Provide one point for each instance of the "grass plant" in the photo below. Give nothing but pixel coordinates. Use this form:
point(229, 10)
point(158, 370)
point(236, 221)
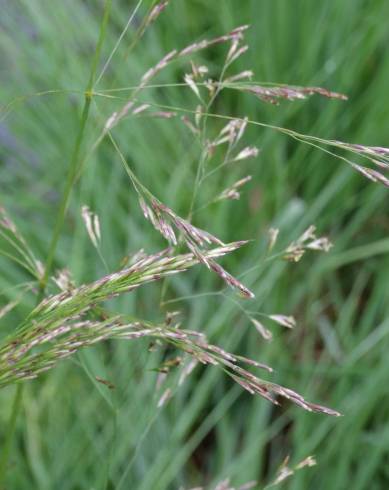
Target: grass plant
point(182, 151)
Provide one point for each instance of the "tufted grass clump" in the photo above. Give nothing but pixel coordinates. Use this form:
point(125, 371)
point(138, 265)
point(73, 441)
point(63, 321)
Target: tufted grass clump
point(71, 315)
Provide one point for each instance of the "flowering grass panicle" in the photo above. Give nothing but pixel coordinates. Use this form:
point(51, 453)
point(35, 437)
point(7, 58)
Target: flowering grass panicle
point(80, 316)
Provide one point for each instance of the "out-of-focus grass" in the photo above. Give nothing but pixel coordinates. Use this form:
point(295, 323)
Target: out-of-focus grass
point(75, 433)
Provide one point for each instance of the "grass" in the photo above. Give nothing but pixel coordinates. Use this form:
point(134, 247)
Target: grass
point(74, 432)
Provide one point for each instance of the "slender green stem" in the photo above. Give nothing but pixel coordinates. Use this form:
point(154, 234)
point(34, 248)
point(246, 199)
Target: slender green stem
point(17, 403)
point(66, 195)
point(70, 180)
point(75, 158)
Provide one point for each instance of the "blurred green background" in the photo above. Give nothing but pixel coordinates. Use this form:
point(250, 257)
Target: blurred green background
point(74, 433)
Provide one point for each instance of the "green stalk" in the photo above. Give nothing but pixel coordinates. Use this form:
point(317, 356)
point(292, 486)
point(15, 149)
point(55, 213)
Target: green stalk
point(16, 406)
point(70, 180)
point(75, 158)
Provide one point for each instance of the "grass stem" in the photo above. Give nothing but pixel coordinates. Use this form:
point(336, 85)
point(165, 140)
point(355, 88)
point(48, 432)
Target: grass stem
point(75, 158)
point(16, 406)
point(70, 180)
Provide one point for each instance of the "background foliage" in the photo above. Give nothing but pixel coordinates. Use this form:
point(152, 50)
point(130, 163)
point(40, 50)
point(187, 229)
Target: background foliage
point(76, 433)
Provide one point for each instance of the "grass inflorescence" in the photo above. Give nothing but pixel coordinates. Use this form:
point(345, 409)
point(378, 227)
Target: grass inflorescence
point(185, 207)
